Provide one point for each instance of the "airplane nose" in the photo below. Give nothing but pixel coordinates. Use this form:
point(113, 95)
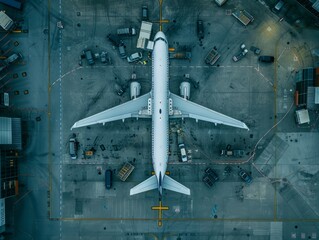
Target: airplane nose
point(159, 35)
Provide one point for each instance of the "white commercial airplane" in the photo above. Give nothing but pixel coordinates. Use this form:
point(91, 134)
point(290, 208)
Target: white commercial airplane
point(160, 105)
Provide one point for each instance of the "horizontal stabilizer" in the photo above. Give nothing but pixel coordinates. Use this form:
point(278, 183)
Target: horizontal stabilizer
point(170, 184)
point(148, 184)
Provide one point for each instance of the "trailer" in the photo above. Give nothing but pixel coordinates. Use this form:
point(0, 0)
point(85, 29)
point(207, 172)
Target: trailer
point(212, 57)
point(125, 171)
point(243, 16)
point(143, 41)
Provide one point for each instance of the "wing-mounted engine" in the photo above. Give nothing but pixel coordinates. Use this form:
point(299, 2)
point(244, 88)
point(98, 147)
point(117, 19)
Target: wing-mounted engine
point(185, 90)
point(135, 89)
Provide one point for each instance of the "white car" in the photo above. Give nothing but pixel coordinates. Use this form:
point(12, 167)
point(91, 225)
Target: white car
point(135, 57)
point(183, 152)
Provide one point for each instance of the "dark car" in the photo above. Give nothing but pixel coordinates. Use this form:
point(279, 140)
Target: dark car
point(115, 40)
point(245, 176)
point(267, 59)
point(108, 179)
point(122, 51)
point(144, 13)
point(212, 174)
point(208, 181)
point(200, 29)
point(89, 57)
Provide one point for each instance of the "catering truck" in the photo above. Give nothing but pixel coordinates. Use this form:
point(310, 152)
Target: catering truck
point(143, 41)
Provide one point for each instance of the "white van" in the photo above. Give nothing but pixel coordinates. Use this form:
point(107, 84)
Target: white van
point(183, 152)
point(73, 148)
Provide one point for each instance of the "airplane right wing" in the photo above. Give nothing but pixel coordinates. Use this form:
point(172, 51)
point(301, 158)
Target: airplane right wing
point(184, 108)
point(140, 107)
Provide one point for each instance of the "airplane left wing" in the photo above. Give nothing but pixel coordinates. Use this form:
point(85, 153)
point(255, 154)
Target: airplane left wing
point(139, 107)
point(184, 108)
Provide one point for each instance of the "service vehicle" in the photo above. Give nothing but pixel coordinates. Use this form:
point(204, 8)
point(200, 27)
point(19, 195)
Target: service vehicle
point(200, 29)
point(6, 22)
point(122, 51)
point(255, 50)
point(135, 57)
point(89, 57)
point(144, 13)
point(115, 40)
point(143, 40)
point(212, 57)
point(245, 176)
point(187, 55)
point(130, 31)
point(108, 179)
point(241, 54)
point(243, 16)
point(4, 99)
point(73, 148)
point(266, 59)
point(13, 58)
point(183, 152)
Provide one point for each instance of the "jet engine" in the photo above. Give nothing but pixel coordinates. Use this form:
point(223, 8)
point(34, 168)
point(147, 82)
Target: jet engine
point(185, 90)
point(135, 89)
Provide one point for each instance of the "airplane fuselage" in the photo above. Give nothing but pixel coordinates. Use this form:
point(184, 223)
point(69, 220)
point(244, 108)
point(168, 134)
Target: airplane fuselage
point(160, 109)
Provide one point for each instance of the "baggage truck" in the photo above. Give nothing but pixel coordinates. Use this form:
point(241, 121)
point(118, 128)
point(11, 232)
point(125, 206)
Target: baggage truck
point(6, 22)
point(126, 31)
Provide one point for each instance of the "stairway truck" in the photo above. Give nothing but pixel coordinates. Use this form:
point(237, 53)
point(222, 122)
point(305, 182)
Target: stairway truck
point(6, 22)
point(212, 57)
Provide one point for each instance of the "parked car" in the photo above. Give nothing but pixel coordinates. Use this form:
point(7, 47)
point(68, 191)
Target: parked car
point(256, 50)
point(89, 57)
point(245, 176)
point(200, 29)
point(144, 13)
point(122, 51)
point(135, 57)
point(266, 59)
point(183, 152)
point(115, 40)
point(211, 173)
